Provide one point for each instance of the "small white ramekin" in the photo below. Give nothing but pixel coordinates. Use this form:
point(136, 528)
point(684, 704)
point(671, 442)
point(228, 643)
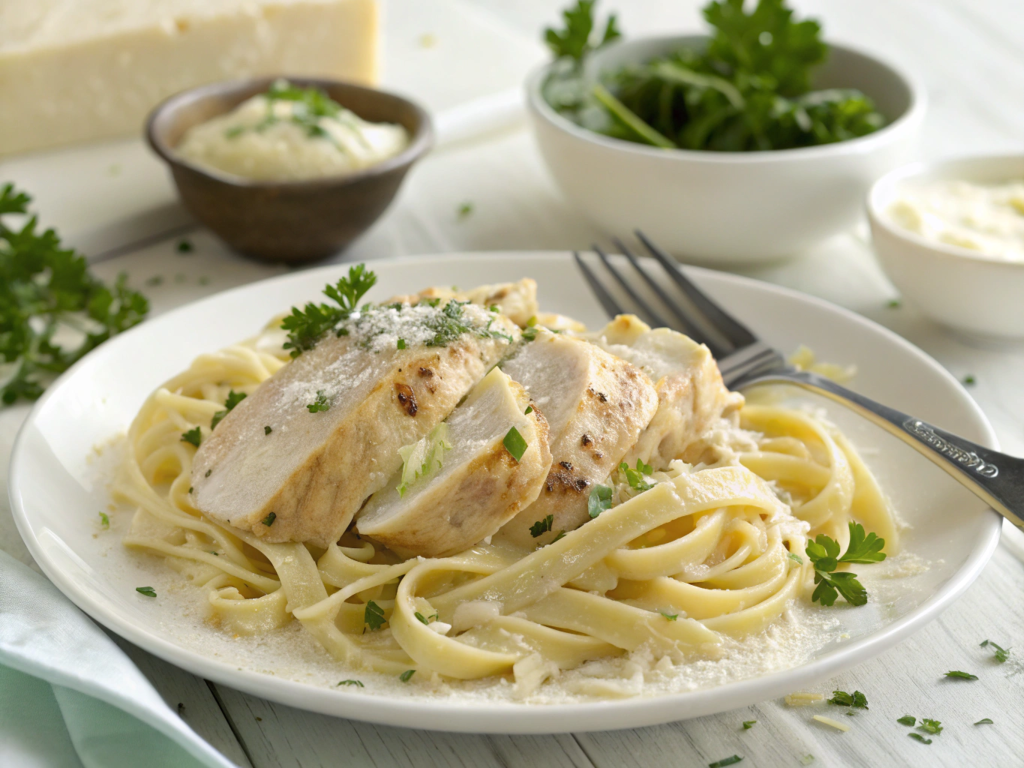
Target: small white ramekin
point(956, 287)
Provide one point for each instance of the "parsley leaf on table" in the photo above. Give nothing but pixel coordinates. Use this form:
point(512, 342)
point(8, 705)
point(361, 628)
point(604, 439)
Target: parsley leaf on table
point(823, 553)
point(844, 699)
point(52, 310)
point(957, 674)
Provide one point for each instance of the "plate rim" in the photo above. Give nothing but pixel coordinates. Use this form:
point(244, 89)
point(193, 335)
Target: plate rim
point(504, 717)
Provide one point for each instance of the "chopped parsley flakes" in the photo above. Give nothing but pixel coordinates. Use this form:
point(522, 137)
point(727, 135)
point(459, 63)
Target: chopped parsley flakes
point(465, 209)
point(267, 430)
point(269, 519)
point(599, 501)
point(192, 437)
point(958, 675)
point(907, 720)
point(320, 404)
point(356, 683)
point(542, 526)
point(515, 444)
point(985, 721)
point(930, 726)
point(844, 699)
point(669, 616)
point(407, 675)
point(1001, 654)
point(919, 737)
point(748, 724)
point(234, 398)
point(147, 591)
point(185, 246)
point(635, 477)
point(373, 616)
point(725, 761)
point(104, 521)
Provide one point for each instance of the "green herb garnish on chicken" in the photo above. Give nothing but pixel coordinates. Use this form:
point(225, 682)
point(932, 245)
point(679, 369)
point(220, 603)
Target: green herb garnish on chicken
point(52, 310)
point(748, 89)
point(307, 325)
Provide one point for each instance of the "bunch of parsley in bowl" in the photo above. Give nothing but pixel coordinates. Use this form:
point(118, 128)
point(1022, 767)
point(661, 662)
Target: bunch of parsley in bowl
point(755, 142)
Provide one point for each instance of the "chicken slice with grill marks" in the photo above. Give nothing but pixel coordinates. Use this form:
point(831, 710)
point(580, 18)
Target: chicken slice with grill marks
point(479, 484)
point(305, 478)
point(596, 406)
point(517, 301)
point(692, 399)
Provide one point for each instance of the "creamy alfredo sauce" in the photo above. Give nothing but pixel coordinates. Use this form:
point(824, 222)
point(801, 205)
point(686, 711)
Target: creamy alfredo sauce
point(988, 219)
point(290, 134)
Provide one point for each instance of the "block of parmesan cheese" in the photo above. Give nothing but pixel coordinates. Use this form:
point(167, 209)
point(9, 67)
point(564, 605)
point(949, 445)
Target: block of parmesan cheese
point(75, 71)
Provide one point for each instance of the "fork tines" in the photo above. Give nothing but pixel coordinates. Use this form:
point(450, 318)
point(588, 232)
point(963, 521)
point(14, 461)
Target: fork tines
point(674, 303)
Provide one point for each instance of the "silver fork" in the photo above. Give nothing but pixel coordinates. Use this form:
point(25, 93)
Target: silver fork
point(746, 361)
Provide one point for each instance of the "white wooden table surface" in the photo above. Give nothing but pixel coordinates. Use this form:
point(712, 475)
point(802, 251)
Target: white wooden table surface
point(971, 55)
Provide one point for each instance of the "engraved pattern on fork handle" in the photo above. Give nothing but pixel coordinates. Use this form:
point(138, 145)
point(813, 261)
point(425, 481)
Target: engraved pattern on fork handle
point(969, 459)
point(995, 477)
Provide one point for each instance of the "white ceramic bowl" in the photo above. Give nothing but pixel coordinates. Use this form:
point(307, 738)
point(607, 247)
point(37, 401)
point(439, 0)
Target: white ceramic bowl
point(729, 207)
point(953, 286)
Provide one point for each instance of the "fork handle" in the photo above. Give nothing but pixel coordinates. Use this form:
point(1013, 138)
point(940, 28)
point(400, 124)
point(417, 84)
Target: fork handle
point(995, 477)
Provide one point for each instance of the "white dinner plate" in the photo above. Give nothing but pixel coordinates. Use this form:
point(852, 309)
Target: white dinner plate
point(55, 491)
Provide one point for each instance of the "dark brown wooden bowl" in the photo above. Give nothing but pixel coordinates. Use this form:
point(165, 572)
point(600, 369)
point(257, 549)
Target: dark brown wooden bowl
point(292, 221)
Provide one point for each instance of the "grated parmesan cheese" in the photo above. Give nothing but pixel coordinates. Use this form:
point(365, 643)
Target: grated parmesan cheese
point(832, 723)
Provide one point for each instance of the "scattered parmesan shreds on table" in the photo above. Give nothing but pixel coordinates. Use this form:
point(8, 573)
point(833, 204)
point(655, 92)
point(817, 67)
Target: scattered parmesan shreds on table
point(832, 723)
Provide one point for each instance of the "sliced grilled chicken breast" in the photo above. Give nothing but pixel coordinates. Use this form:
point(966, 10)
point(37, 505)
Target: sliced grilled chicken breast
point(692, 398)
point(479, 486)
point(296, 459)
point(596, 406)
point(517, 301)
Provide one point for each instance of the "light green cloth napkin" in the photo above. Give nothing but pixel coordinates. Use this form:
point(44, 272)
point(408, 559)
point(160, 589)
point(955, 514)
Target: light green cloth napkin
point(70, 697)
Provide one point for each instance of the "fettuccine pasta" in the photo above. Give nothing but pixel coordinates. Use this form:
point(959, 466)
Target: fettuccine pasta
point(710, 550)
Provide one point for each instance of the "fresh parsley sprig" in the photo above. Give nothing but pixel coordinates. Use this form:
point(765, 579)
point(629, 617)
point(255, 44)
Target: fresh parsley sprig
point(307, 325)
point(748, 89)
point(52, 310)
point(823, 553)
point(574, 40)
